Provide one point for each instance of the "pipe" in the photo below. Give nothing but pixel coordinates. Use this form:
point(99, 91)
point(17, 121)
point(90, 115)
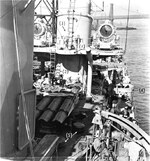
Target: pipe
point(60, 117)
point(64, 110)
point(55, 104)
point(66, 105)
point(42, 67)
point(44, 103)
point(51, 109)
point(89, 76)
point(111, 13)
point(103, 5)
point(47, 115)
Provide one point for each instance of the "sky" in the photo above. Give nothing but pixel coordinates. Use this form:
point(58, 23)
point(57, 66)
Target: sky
point(121, 6)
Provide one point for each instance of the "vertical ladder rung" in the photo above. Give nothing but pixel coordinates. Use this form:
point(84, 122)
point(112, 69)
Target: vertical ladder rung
point(52, 60)
point(71, 22)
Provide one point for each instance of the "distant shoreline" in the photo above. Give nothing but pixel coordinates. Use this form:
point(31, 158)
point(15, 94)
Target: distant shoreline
point(126, 28)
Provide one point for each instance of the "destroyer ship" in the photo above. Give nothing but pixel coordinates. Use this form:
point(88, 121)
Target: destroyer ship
point(66, 95)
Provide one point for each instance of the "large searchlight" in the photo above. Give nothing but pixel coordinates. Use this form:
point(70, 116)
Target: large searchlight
point(39, 28)
point(106, 30)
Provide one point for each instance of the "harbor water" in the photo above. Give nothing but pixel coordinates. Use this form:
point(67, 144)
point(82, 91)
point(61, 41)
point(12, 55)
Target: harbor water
point(137, 57)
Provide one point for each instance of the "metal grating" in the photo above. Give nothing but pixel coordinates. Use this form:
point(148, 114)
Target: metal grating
point(30, 98)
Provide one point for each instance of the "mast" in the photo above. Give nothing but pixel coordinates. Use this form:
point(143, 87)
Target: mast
point(111, 13)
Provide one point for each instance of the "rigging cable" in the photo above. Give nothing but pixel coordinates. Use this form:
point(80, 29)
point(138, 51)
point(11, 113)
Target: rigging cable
point(126, 38)
point(10, 9)
point(27, 4)
point(21, 80)
point(101, 9)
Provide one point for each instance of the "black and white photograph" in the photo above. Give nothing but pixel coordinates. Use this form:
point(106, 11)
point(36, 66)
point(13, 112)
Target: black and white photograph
point(74, 80)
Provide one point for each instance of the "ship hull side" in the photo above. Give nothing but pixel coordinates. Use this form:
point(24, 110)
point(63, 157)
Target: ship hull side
point(9, 81)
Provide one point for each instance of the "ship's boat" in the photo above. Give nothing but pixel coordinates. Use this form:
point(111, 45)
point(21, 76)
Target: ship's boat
point(65, 93)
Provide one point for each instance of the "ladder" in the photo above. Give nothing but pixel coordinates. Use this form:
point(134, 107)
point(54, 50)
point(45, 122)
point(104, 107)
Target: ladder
point(71, 23)
point(52, 61)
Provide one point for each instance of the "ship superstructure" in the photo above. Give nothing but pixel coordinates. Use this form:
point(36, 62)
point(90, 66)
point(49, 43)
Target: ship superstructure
point(80, 106)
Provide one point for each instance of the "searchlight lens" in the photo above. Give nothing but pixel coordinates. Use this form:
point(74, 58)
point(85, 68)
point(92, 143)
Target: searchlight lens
point(37, 28)
point(106, 30)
